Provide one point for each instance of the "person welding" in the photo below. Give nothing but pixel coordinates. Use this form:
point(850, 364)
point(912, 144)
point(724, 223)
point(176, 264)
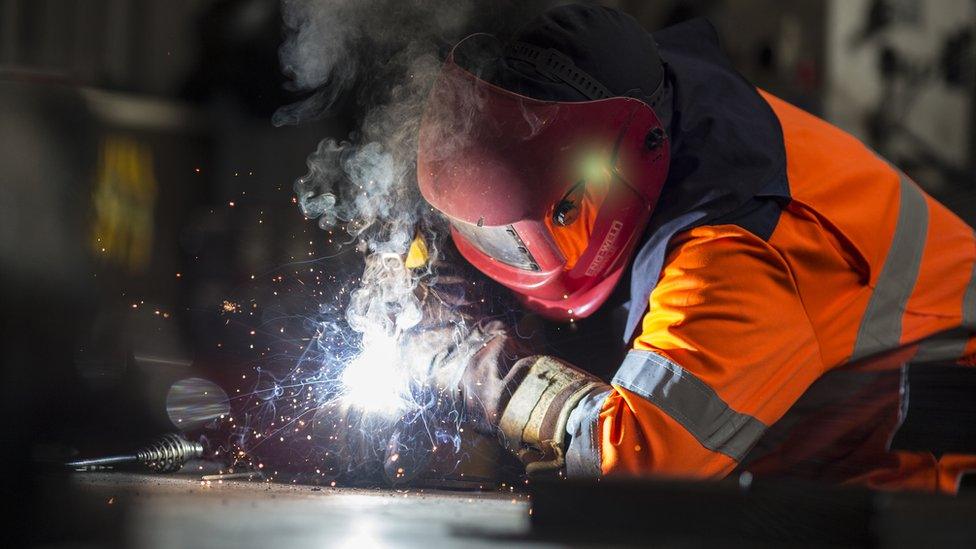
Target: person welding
point(778, 274)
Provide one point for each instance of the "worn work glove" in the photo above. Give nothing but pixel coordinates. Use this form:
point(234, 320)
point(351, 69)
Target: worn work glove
point(525, 399)
point(507, 390)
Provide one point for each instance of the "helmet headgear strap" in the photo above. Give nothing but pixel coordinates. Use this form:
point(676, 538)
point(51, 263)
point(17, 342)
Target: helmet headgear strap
point(557, 66)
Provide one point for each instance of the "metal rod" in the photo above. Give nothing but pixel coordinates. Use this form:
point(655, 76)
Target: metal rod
point(166, 455)
point(101, 463)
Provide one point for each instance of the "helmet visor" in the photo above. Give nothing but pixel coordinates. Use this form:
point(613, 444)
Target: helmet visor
point(500, 243)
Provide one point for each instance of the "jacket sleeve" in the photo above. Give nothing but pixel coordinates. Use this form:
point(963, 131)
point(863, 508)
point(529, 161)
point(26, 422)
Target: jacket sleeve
point(725, 350)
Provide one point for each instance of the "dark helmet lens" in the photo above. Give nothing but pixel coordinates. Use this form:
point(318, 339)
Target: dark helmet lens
point(501, 243)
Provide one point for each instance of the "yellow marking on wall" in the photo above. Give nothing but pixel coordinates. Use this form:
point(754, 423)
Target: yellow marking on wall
point(124, 202)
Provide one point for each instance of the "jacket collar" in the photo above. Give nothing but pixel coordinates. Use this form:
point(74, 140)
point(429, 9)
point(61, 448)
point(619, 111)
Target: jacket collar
point(726, 150)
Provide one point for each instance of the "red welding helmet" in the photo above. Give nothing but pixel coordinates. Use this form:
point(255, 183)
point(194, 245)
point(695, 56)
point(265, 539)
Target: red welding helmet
point(549, 198)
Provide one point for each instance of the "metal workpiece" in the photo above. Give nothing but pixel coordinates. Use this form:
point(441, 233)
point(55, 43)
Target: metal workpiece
point(171, 511)
point(430, 450)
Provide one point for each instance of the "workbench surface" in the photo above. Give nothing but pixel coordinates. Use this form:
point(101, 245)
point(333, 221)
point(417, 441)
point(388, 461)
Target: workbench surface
point(173, 511)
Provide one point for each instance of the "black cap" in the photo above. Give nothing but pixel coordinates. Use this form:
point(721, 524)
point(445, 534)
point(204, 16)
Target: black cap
point(609, 46)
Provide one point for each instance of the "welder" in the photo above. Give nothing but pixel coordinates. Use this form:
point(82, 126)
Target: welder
point(776, 273)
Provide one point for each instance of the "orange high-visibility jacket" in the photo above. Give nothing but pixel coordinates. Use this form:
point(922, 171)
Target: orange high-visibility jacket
point(772, 338)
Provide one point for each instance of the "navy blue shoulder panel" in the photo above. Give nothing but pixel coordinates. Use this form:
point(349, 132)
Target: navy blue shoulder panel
point(759, 216)
point(728, 160)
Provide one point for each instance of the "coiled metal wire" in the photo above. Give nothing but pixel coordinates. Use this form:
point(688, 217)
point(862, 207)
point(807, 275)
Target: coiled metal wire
point(169, 453)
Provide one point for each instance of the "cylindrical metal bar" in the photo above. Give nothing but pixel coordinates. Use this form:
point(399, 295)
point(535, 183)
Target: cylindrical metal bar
point(84, 464)
point(166, 455)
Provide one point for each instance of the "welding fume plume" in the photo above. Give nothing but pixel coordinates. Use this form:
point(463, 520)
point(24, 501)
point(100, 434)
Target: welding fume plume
point(389, 399)
point(385, 310)
point(397, 418)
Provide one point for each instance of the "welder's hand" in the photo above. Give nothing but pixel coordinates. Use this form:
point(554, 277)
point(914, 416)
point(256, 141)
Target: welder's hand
point(525, 399)
point(491, 374)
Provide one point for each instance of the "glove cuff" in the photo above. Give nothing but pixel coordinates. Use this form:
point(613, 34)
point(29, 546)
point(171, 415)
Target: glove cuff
point(534, 421)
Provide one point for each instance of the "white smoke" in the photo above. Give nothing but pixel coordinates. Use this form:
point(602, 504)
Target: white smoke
point(386, 54)
point(334, 45)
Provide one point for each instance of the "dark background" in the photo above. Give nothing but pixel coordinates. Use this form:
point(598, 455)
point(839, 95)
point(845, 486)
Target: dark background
point(147, 209)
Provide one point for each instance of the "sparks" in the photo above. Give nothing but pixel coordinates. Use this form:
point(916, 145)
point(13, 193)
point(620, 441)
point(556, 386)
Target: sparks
point(372, 381)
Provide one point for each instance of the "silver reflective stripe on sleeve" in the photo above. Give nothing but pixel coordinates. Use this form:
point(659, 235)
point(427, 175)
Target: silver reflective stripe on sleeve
point(880, 328)
point(583, 457)
point(690, 402)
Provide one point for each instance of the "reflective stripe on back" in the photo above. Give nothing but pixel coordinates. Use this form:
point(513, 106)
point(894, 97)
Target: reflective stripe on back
point(690, 402)
point(969, 302)
point(951, 344)
point(880, 328)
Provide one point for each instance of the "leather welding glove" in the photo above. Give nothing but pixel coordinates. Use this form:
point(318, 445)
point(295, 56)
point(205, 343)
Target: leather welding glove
point(490, 375)
point(525, 399)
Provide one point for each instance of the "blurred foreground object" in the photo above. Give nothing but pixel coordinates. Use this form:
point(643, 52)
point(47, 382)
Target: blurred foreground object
point(745, 511)
point(938, 412)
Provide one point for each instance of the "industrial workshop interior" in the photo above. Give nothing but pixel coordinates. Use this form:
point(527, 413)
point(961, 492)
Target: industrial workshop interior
point(486, 273)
